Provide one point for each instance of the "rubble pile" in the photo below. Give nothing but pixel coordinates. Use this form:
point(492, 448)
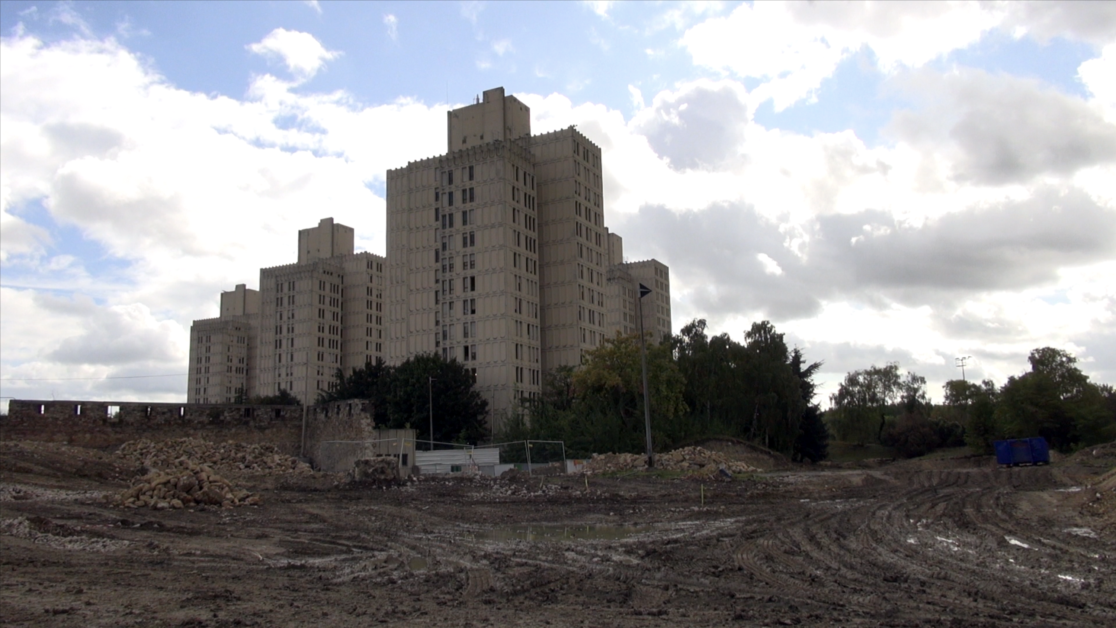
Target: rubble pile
point(702, 461)
point(691, 460)
point(228, 456)
point(379, 469)
point(187, 486)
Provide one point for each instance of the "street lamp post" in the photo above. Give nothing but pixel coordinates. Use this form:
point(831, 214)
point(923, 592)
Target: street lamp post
point(961, 362)
point(430, 407)
point(644, 291)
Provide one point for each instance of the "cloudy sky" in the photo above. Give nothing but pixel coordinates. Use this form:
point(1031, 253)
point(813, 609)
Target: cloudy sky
point(884, 182)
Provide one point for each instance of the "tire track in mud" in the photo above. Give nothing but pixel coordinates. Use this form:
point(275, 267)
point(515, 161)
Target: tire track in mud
point(938, 542)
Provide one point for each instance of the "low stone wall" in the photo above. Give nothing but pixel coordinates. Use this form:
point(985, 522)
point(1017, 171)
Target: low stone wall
point(104, 424)
point(343, 432)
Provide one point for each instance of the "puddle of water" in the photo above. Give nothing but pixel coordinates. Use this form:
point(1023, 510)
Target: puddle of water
point(418, 564)
point(557, 533)
point(1085, 532)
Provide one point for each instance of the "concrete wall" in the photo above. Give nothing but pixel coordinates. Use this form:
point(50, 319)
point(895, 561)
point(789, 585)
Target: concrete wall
point(108, 424)
point(104, 424)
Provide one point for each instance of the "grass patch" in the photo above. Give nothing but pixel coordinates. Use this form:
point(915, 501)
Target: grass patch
point(951, 452)
point(851, 452)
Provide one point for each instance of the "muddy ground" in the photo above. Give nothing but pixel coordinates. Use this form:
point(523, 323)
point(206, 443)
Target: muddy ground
point(956, 542)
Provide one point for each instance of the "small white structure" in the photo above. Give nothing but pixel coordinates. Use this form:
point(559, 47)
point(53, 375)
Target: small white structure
point(466, 460)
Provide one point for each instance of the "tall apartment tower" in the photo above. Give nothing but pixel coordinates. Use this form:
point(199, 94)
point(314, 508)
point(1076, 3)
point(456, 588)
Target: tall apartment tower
point(498, 257)
point(308, 319)
point(498, 254)
point(463, 261)
point(223, 350)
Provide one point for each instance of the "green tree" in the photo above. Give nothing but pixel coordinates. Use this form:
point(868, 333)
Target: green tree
point(283, 398)
point(402, 397)
point(861, 401)
point(371, 381)
point(972, 405)
point(610, 384)
point(459, 410)
point(812, 441)
point(1056, 401)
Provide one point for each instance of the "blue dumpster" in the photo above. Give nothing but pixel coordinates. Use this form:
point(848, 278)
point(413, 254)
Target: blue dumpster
point(1022, 451)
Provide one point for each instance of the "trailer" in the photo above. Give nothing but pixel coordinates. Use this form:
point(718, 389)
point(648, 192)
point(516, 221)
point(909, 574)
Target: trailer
point(1017, 451)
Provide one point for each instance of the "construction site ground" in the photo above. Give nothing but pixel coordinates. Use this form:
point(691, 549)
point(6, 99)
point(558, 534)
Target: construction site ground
point(951, 542)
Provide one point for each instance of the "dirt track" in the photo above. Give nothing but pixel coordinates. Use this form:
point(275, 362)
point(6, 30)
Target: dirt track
point(955, 543)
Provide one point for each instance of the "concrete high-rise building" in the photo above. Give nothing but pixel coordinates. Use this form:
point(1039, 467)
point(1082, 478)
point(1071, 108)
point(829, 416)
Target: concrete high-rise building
point(498, 254)
point(310, 318)
point(498, 257)
point(222, 350)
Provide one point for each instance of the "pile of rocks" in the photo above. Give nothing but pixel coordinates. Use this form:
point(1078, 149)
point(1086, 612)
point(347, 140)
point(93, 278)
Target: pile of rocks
point(228, 456)
point(691, 460)
point(614, 463)
point(188, 485)
point(700, 461)
point(381, 469)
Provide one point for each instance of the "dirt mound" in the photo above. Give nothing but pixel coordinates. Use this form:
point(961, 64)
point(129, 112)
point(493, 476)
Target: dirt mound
point(58, 460)
point(189, 485)
point(1097, 456)
point(227, 457)
point(749, 453)
point(378, 470)
point(694, 461)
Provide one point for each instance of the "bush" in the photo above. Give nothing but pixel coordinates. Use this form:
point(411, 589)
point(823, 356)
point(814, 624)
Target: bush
point(911, 436)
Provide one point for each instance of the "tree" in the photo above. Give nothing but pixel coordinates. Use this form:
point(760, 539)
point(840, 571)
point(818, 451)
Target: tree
point(1056, 401)
point(402, 396)
point(973, 406)
point(812, 441)
point(371, 381)
point(859, 405)
point(459, 410)
point(611, 383)
point(283, 398)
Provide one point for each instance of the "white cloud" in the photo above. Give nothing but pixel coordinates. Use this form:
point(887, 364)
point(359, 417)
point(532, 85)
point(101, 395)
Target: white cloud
point(600, 7)
point(1099, 77)
point(793, 47)
point(471, 11)
point(313, 4)
point(66, 13)
point(392, 24)
point(502, 46)
point(185, 194)
point(301, 52)
point(770, 266)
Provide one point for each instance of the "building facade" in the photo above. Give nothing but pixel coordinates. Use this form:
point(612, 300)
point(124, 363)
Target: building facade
point(310, 318)
point(498, 257)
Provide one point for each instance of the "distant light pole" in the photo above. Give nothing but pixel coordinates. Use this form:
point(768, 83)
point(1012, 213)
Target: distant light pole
point(961, 363)
point(644, 291)
point(430, 407)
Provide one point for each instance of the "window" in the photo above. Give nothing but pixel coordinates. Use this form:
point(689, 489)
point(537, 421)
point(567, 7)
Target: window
point(449, 199)
point(450, 182)
point(470, 173)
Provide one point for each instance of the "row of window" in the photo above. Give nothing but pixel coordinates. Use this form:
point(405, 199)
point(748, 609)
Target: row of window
point(529, 222)
point(586, 253)
point(468, 307)
point(468, 262)
point(468, 239)
point(531, 266)
point(466, 175)
point(468, 354)
point(528, 179)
